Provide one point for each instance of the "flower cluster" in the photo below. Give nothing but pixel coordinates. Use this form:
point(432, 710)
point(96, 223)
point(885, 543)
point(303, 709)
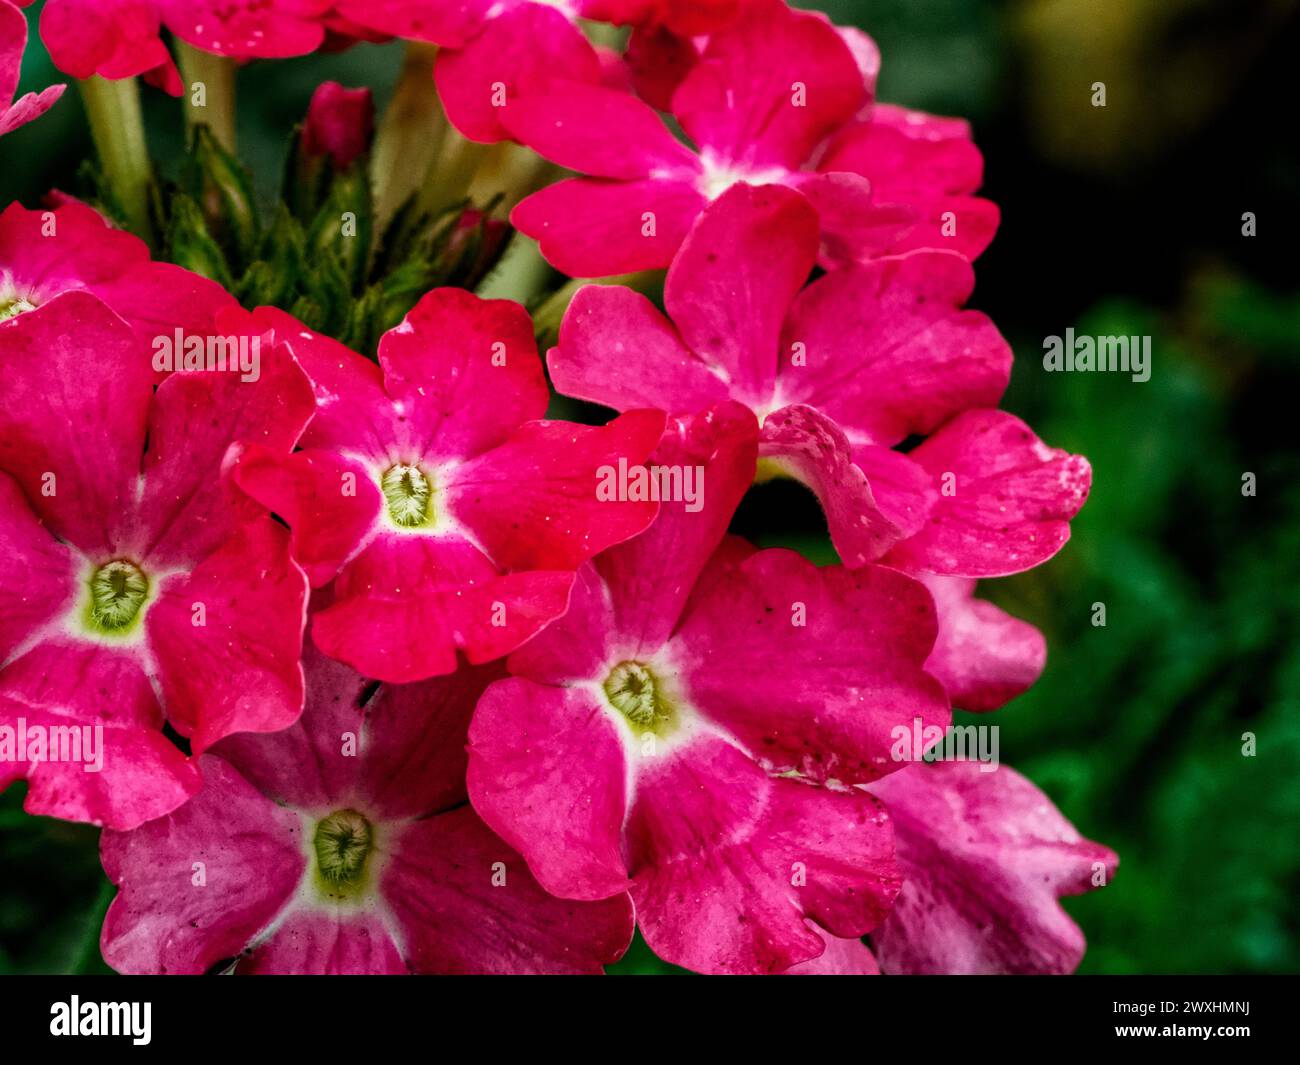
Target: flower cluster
point(364, 664)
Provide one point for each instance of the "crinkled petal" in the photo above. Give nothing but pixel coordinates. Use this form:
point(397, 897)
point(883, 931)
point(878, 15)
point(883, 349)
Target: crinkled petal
point(196, 887)
point(729, 862)
point(311, 942)
point(808, 446)
point(40, 572)
point(407, 603)
point(986, 856)
point(1010, 503)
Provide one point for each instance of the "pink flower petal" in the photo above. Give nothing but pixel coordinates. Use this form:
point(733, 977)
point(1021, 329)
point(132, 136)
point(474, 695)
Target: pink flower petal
point(547, 773)
point(466, 370)
point(408, 603)
point(740, 100)
point(888, 351)
point(450, 25)
point(598, 131)
point(593, 228)
point(314, 943)
point(986, 856)
point(519, 51)
point(249, 28)
point(195, 418)
point(728, 862)
point(810, 447)
point(842, 957)
point(445, 873)
point(533, 501)
point(252, 857)
point(650, 577)
point(74, 397)
point(1011, 501)
point(983, 656)
point(238, 670)
point(128, 773)
point(331, 503)
point(851, 645)
point(735, 277)
point(40, 577)
point(112, 38)
point(617, 349)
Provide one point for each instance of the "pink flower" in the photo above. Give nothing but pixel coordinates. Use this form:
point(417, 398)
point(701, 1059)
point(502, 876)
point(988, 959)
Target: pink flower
point(339, 123)
point(13, 42)
point(112, 38)
point(137, 583)
point(767, 91)
point(122, 38)
point(344, 844)
point(924, 167)
point(986, 856)
point(839, 373)
point(451, 517)
point(688, 731)
point(72, 248)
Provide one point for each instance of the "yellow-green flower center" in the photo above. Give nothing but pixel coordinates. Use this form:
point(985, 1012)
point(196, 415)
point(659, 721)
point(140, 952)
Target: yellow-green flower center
point(14, 306)
point(639, 696)
point(342, 842)
point(117, 592)
point(409, 495)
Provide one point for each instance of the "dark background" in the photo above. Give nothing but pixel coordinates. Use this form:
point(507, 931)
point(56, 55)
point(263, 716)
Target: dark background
point(1120, 220)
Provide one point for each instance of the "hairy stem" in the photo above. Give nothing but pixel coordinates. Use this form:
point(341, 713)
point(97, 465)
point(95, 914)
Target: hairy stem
point(117, 127)
point(209, 95)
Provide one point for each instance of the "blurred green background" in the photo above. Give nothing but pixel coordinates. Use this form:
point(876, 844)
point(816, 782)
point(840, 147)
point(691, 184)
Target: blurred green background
point(1122, 220)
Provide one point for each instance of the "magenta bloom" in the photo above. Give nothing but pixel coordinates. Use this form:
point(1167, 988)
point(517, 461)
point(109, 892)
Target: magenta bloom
point(688, 731)
point(138, 585)
point(122, 38)
point(112, 38)
point(345, 845)
point(923, 169)
point(839, 373)
point(986, 856)
point(767, 91)
point(339, 123)
point(13, 42)
point(72, 248)
point(452, 519)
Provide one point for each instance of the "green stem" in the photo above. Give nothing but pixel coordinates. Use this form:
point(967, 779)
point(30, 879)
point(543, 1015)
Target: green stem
point(521, 275)
point(510, 172)
point(409, 136)
point(211, 80)
point(117, 127)
point(449, 175)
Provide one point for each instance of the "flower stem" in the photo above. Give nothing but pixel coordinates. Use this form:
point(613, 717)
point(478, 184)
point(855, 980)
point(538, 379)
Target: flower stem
point(409, 136)
point(216, 107)
point(117, 127)
point(521, 275)
point(449, 175)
